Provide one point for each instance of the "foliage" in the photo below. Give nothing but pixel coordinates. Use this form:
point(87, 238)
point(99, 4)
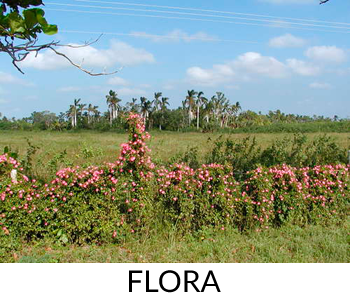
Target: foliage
point(196, 114)
point(25, 24)
point(133, 196)
point(245, 155)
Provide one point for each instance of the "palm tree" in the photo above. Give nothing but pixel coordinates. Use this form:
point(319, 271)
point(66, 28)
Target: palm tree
point(76, 110)
point(96, 113)
point(225, 112)
point(133, 106)
point(208, 109)
point(234, 111)
point(81, 108)
point(190, 100)
point(199, 103)
point(220, 103)
point(113, 104)
point(71, 114)
point(164, 103)
point(156, 101)
point(146, 108)
point(163, 106)
point(90, 110)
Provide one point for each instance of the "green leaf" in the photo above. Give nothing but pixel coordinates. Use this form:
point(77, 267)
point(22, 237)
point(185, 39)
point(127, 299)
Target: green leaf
point(30, 18)
point(16, 23)
point(50, 29)
point(14, 155)
point(64, 239)
point(40, 16)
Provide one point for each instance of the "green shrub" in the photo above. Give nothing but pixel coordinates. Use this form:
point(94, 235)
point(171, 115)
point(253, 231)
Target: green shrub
point(133, 196)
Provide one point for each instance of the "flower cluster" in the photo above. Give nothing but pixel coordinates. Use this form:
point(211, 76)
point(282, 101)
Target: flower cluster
point(102, 203)
point(135, 154)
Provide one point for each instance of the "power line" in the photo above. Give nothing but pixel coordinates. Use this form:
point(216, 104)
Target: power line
point(209, 10)
point(194, 19)
point(278, 22)
point(144, 35)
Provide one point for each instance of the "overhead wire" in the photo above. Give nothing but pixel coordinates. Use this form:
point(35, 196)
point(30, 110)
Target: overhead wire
point(145, 35)
point(208, 10)
point(195, 19)
point(276, 22)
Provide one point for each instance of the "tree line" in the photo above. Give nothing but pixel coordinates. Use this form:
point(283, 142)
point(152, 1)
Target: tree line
point(197, 112)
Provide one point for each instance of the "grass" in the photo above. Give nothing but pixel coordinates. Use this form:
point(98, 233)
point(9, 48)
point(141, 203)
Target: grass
point(286, 244)
point(104, 146)
point(291, 244)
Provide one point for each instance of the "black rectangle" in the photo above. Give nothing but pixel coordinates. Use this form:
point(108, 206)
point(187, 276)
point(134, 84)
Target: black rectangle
point(174, 281)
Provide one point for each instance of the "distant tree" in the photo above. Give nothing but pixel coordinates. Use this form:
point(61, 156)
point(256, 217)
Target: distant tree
point(190, 101)
point(146, 108)
point(157, 101)
point(133, 106)
point(163, 107)
point(113, 104)
point(43, 119)
point(72, 113)
point(199, 103)
point(164, 103)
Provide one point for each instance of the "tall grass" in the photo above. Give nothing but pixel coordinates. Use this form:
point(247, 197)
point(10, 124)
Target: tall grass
point(289, 244)
point(104, 147)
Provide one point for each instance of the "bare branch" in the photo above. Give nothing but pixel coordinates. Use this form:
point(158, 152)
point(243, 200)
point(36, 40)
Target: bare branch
point(81, 46)
point(80, 67)
point(19, 52)
point(323, 1)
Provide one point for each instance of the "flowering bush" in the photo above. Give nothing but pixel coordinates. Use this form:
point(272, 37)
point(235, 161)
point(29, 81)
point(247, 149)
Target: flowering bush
point(103, 204)
point(193, 199)
point(7, 163)
point(298, 195)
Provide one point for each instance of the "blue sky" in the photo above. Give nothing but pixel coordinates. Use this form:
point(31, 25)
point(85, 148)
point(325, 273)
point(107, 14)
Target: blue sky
point(291, 55)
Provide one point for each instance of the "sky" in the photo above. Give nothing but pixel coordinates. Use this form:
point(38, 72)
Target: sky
point(292, 55)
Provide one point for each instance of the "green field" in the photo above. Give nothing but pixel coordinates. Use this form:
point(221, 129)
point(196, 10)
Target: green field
point(98, 147)
point(289, 243)
point(311, 244)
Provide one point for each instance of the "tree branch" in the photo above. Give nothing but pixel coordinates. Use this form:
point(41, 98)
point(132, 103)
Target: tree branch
point(19, 52)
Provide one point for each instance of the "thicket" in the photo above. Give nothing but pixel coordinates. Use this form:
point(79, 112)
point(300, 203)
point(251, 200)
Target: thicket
point(134, 196)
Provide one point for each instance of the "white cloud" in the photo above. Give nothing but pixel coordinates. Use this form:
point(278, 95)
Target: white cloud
point(303, 68)
point(3, 101)
point(131, 92)
point(10, 79)
point(320, 85)
point(7, 78)
point(255, 63)
point(210, 77)
point(330, 54)
point(118, 54)
point(68, 89)
point(246, 65)
point(117, 81)
point(287, 41)
point(290, 1)
point(176, 35)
